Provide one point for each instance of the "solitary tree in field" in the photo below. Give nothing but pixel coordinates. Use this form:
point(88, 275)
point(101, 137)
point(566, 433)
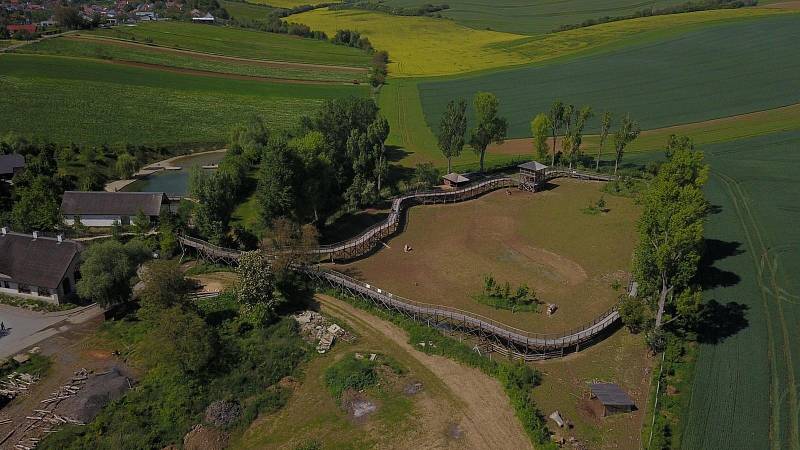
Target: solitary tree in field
point(540, 125)
point(488, 126)
point(605, 127)
point(671, 229)
point(452, 129)
point(627, 132)
point(556, 117)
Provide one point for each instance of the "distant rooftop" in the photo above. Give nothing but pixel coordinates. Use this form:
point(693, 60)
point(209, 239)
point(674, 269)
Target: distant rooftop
point(9, 163)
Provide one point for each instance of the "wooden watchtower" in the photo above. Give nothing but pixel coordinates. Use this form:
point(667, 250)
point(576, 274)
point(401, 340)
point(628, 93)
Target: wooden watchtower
point(531, 175)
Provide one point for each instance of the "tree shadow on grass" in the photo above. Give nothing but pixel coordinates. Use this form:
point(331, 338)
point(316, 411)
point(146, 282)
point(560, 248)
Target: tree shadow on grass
point(719, 321)
point(709, 276)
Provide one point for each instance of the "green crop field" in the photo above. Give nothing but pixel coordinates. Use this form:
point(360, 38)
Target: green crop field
point(248, 11)
point(76, 100)
point(526, 17)
point(112, 49)
point(288, 3)
point(745, 388)
point(425, 46)
point(715, 72)
point(239, 42)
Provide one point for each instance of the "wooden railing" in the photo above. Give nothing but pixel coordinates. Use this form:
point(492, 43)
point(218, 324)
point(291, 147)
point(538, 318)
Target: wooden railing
point(521, 337)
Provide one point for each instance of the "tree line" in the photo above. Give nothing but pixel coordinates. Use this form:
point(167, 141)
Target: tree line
point(563, 120)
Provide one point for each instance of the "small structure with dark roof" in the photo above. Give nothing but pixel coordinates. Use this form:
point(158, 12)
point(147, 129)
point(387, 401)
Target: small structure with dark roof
point(612, 398)
point(10, 165)
point(103, 209)
point(531, 175)
point(38, 267)
point(454, 180)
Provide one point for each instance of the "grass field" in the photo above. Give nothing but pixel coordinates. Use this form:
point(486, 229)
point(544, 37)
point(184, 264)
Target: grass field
point(248, 11)
point(76, 100)
point(288, 3)
point(425, 46)
point(543, 240)
point(701, 75)
point(239, 42)
point(112, 49)
point(755, 240)
point(525, 17)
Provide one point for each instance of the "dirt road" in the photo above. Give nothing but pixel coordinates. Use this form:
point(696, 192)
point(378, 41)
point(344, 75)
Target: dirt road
point(488, 421)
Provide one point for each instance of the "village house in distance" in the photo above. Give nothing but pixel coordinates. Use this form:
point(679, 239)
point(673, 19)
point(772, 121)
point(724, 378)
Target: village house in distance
point(104, 209)
point(38, 267)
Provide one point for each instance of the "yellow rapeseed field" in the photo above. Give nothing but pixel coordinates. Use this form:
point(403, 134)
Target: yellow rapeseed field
point(425, 46)
point(418, 45)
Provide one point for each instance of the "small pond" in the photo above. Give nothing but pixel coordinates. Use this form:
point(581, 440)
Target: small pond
point(174, 181)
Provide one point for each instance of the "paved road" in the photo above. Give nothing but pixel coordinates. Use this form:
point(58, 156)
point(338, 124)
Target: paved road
point(26, 328)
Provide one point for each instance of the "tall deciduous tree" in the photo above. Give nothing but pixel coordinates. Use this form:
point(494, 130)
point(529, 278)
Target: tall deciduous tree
point(628, 131)
point(671, 227)
point(277, 181)
point(377, 132)
point(452, 130)
point(605, 128)
point(255, 289)
point(125, 165)
point(489, 127)
point(576, 133)
point(540, 125)
point(107, 269)
point(556, 117)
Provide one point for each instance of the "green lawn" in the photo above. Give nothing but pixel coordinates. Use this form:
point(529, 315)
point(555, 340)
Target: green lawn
point(115, 50)
point(715, 72)
point(745, 388)
point(240, 42)
point(526, 17)
point(76, 100)
point(248, 11)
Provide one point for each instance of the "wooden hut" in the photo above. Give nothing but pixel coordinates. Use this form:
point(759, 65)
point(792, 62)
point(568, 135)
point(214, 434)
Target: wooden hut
point(454, 180)
point(612, 398)
point(531, 175)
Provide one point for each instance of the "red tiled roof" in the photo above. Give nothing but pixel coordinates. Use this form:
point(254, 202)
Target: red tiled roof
point(30, 28)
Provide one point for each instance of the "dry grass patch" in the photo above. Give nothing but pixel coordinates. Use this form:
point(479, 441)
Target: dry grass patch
point(543, 240)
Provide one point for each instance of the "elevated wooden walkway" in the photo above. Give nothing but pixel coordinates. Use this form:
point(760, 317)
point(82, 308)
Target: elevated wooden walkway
point(495, 335)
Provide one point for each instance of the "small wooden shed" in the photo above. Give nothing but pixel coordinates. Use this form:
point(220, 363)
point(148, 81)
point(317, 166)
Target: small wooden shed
point(612, 398)
point(531, 175)
point(455, 180)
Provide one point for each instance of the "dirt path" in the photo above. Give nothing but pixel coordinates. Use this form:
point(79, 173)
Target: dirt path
point(216, 57)
point(489, 420)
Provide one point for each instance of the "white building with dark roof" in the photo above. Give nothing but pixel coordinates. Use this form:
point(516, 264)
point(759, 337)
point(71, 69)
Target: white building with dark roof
point(103, 209)
point(38, 267)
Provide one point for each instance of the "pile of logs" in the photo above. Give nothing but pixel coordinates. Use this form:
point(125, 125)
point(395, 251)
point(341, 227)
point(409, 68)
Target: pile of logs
point(68, 390)
point(16, 383)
